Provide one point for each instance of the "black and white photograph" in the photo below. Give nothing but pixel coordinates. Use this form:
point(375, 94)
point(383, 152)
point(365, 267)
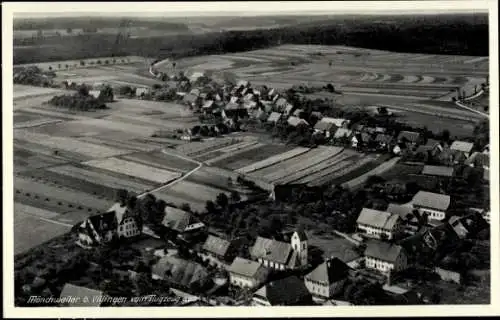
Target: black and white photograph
point(242, 156)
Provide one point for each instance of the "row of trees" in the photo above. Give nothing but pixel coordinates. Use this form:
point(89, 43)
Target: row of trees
point(82, 100)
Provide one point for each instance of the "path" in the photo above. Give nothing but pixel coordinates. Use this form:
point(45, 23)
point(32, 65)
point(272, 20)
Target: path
point(460, 104)
point(378, 170)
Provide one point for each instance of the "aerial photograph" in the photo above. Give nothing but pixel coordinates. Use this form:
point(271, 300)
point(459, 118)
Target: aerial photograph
point(251, 160)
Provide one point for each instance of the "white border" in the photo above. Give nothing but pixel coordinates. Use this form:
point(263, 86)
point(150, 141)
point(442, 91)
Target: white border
point(244, 8)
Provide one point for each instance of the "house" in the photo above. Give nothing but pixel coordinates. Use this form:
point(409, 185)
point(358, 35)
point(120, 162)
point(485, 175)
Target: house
point(318, 115)
point(383, 140)
point(248, 97)
point(288, 108)
point(281, 104)
point(433, 204)
point(230, 114)
point(457, 226)
point(221, 249)
point(294, 122)
point(102, 228)
point(290, 291)
point(181, 221)
point(385, 257)
point(430, 148)
point(410, 137)
point(360, 139)
point(259, 114)
point(358, 128)
point(94, 93)
point(281, 255)
point(409, 220)
point(77, 296)
point(478, 160)
point(327, 279)
point(247, 274)
point(438, 171)
point(324, 127)
point(462, 146)
point(339, 122)
point(451, 157)
point(141, 91)
point(342, 133)
point(379, 224)
point(182, 272)
point(380, 130)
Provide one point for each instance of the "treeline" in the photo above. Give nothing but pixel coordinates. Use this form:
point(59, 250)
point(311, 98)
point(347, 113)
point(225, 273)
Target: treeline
point(82, 100)
point(90, 23)
point(446, 35)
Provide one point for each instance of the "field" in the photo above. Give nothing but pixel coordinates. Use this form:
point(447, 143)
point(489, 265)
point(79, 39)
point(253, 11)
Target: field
point(417, 84)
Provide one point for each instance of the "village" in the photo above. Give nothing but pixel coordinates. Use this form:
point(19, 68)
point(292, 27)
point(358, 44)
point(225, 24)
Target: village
point(417, 222)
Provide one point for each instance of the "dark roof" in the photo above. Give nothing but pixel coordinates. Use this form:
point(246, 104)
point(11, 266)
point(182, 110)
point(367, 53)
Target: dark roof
point(302, 234)
point(101, 223)
point(216, 245)
point(329, 272)
point(385, 138)
point(180, 271)
point(431, 200)
point(382, 250)
point(324, 126)
point(442, 171)
point(271, 250)
point(400, 209)
point(245, 267)
point(409, 135)
point(287, 291)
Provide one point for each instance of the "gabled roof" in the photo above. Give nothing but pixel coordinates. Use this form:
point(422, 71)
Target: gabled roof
point(177, 219)
point(382, 250)
point(281, 102)
point(400, 209)
point(324, 126)
point(377, 219)
point(180, 271)
point(441, 171)
point(208, 104)
point(287, 291)
point(288, 108)
point(244, 267)
point(294, 121)
point(339, 122)
point(462, 146)
point(409, 135)
point(383, 138)
point(329, 272)
point(119, 211)
point(342, 132)
point(271, 250)
point(71, 291)
point(216, 245)
point(431, 200)
point(101, 223)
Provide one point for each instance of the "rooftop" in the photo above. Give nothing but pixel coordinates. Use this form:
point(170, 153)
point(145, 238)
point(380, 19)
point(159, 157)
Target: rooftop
point(431, 200)
point(245, 267)
point(462, 146)
point(382, 250)
point(377, 219)
point(441, 171)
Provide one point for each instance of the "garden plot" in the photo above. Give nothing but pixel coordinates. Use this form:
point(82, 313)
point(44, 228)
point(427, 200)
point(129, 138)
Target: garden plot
point(54, 193)
point(148, 124)
point(195, 191)
point(67, 144)
point(206, 157)
point(161, 160)
point(342, 161)
point(209, 145)
point(296, 164)
point(134, 169)
point(111, 180)
point(27, 160)
point(75, 128)
point(377, 171)
point(119, 143)
point(218, 179)
point(221, 159)
point(347, 167)
point(273, 160)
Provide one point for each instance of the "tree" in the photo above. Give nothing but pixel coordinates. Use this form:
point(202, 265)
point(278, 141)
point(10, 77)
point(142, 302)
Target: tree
point(121, 196)
point(69, 31)
point(106, 94)
point(235, 196)
point(210, 206)
point(83, 90)
point(82, 63)
point(222, 200)
point(330, 87)
point(445, 135)
point(186, 207)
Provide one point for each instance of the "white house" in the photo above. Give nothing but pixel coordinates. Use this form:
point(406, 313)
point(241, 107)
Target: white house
point(385, 257)
point(379, 223)
point(327, 279)
point(247, 274)
point(281, 255)
point(433, 204)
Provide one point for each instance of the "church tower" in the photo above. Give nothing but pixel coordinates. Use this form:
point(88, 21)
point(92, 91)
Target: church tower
point(299, 245)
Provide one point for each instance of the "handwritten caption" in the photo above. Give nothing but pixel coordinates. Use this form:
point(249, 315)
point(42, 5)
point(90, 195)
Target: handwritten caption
point(104, 299)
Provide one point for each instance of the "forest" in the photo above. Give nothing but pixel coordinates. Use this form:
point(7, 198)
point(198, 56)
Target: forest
point(451, 34)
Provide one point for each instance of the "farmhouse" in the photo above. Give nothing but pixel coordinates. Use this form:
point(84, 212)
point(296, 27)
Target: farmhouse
point(408, 217)
point(102, 228)
point(379, 224)
point(247, 274)
point(281, 255)
point(438, 171)
point(221, 249)
point(462, 146)
point(294, 122)
point(77, 296)
point(410, 137)
point(181, 221)
point(431, 147)
point(339, 122)
point(324, 127)
point(433, 204)
point(385, 257)
point(383, 140)
point(327, 279)
point(179, 271)
point(343, 133)
point(289, 291)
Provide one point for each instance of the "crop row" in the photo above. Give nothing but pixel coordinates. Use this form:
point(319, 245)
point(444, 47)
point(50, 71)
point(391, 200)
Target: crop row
point(273, 160)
